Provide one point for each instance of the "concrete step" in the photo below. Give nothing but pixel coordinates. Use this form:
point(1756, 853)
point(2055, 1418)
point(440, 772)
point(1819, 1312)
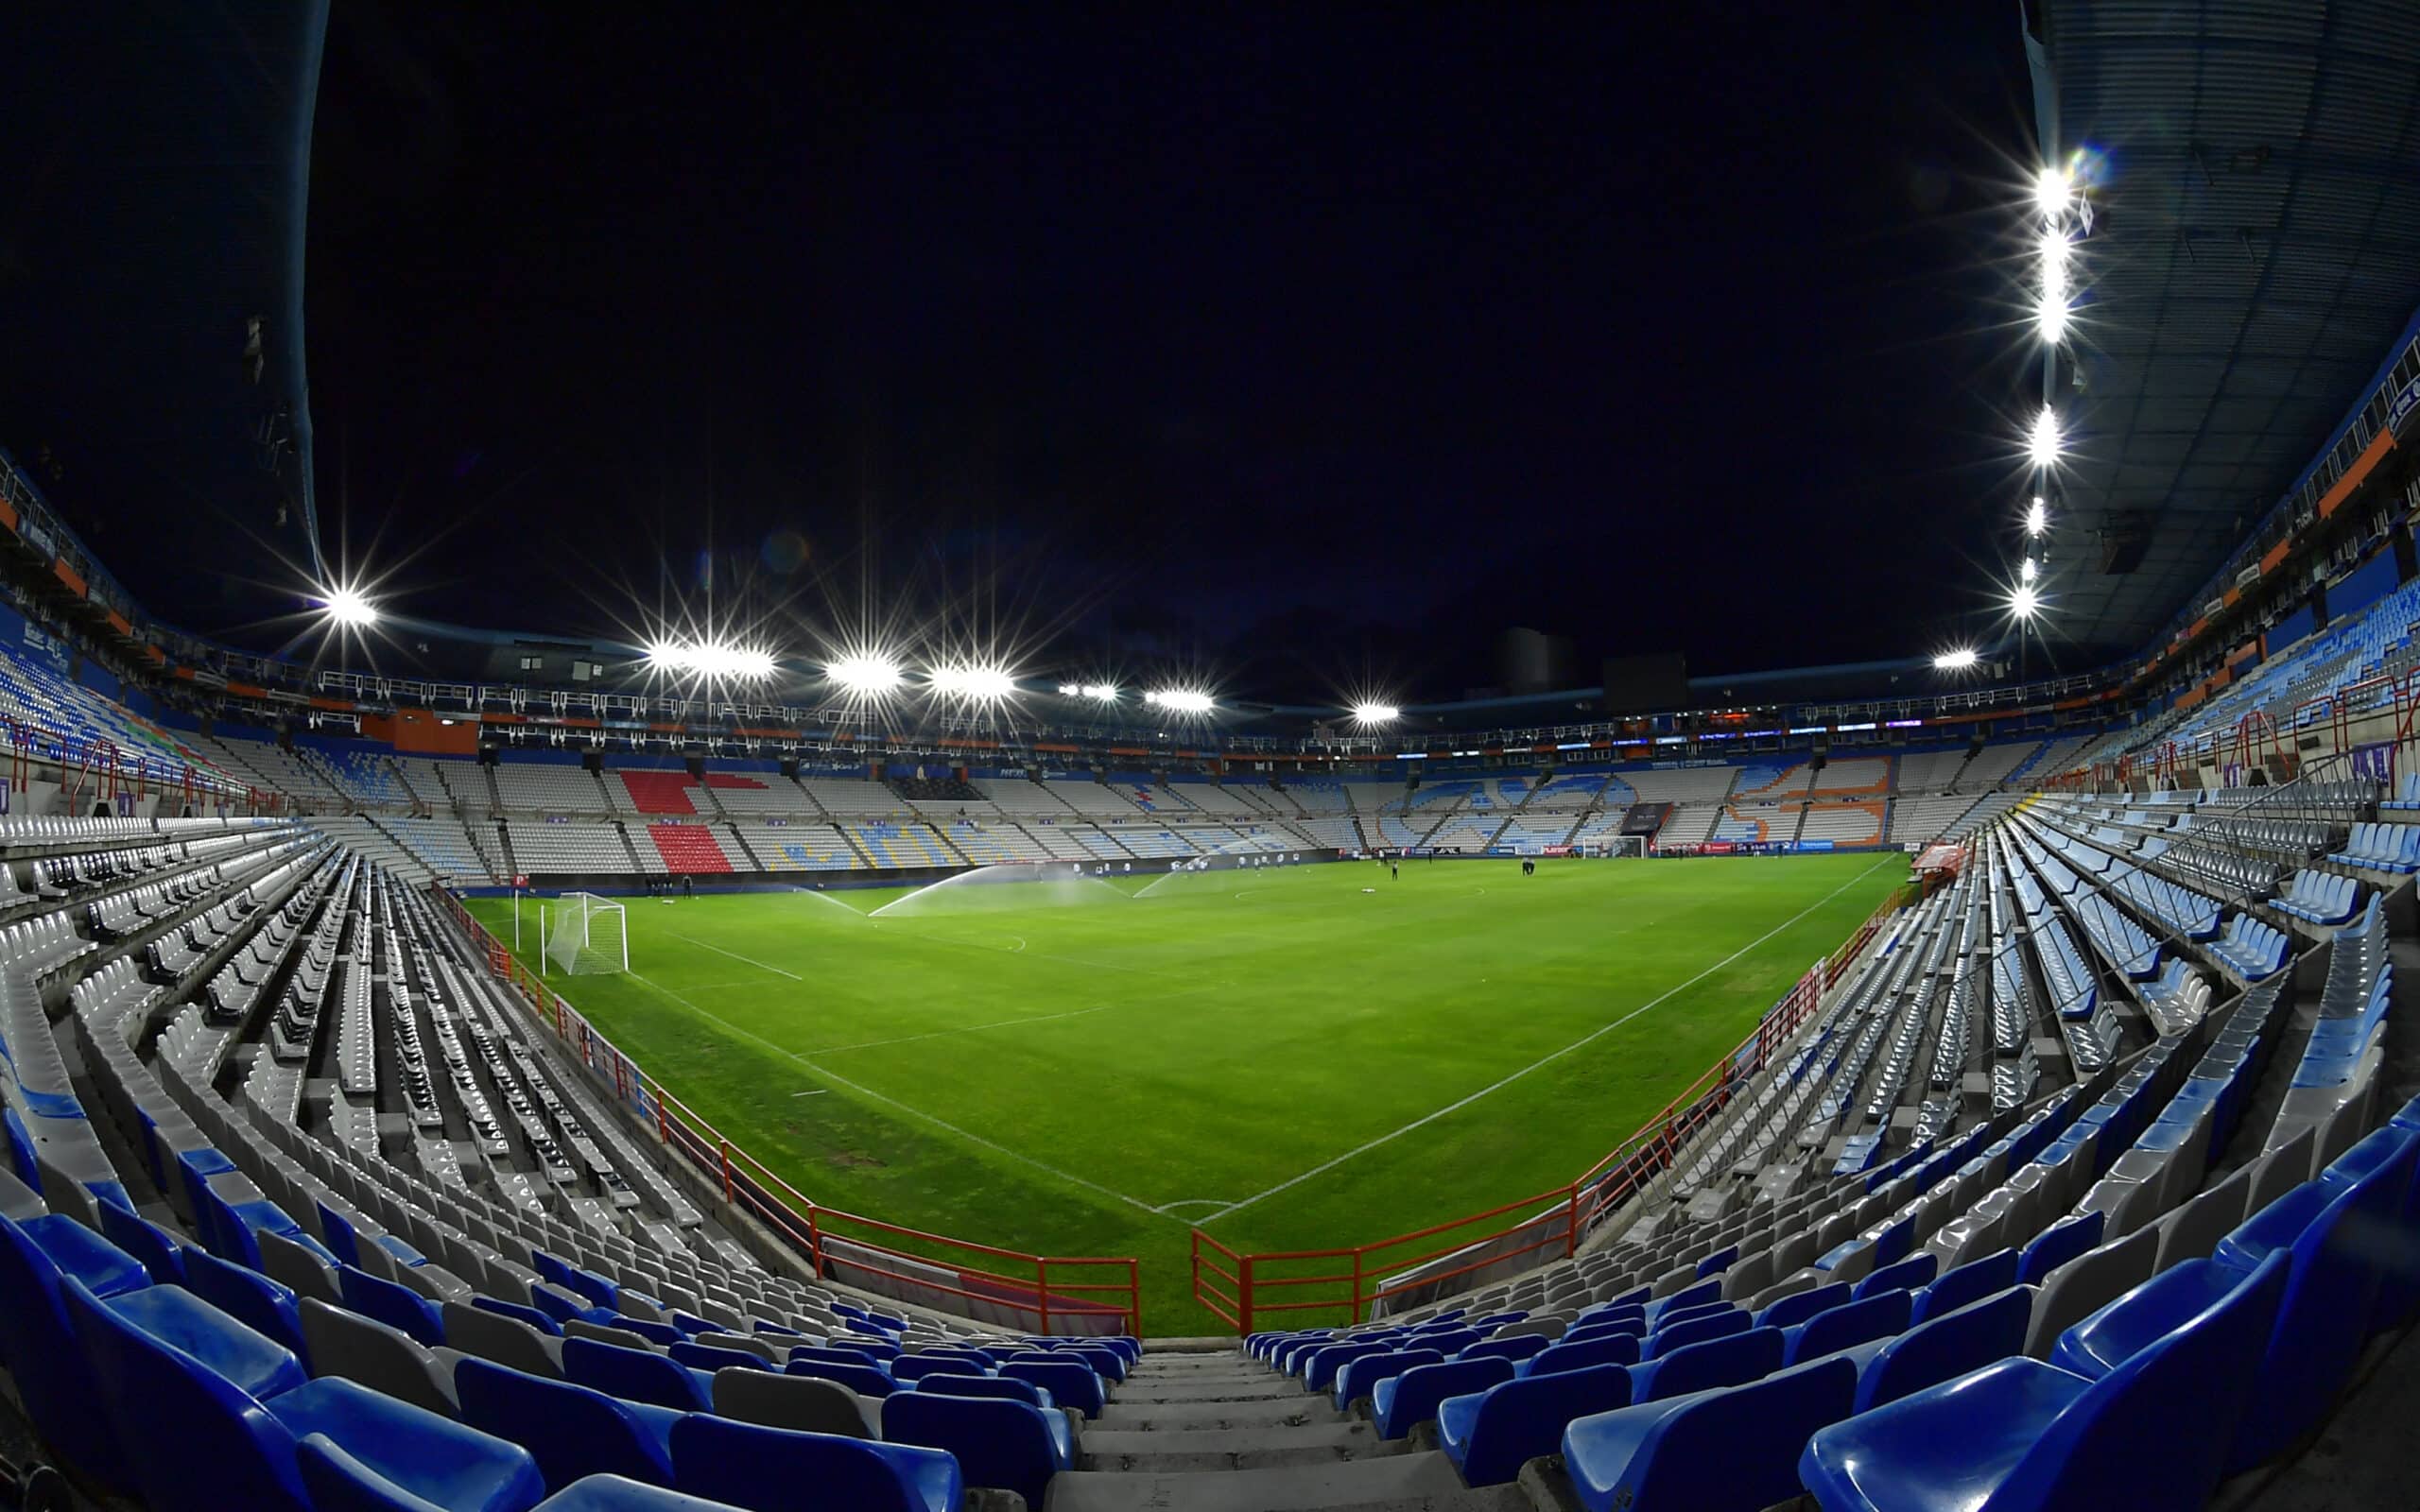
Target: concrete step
point(1125, 1416)
point(1176, 1450)
point(1251, 1388)
point(1421, 1482)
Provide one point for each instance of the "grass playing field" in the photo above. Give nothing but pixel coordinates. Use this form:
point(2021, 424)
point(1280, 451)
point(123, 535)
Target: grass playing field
point(1294, 1058)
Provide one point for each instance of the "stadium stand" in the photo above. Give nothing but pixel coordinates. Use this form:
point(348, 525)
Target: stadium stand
point(548, 787)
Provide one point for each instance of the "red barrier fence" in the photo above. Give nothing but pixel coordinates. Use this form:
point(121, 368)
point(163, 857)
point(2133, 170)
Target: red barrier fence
point(1245, 1290)
point(1038, 1293)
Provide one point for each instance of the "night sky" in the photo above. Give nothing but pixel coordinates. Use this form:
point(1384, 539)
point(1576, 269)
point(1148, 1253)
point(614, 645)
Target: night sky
point(1311, 345)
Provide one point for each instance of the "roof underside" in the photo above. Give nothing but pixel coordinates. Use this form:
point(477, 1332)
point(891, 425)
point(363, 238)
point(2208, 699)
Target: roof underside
point(2256, 251)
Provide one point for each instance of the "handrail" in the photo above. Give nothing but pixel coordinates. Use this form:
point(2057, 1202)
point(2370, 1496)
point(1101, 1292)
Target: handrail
point(1230, 1285)
point(1077, 1294)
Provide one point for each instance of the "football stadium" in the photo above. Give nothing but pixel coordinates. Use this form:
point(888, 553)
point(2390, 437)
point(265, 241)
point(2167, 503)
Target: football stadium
point(964, 761)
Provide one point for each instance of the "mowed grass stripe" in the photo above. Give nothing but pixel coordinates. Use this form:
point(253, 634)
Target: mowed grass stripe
point(1213, 1046)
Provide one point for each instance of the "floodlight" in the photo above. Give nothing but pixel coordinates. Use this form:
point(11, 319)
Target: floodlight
point(671, 655)
point(1101, 692)
point(1376, 714)
point(978, 685)
point(347, 606)
point(1180, 700)
point(2042, 443)
point(1069, 690)
point(2037, 516)
point(864, 672)
point(2028, 571)
point(1958, 661)
point(2054, 191)
point(2024, 601)
point(2050, 318)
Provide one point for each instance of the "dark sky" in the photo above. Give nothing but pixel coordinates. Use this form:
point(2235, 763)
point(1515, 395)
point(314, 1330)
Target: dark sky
point(1314, 343)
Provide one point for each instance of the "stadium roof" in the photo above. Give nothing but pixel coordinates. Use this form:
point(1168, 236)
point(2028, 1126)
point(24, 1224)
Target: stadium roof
point(2254, 256)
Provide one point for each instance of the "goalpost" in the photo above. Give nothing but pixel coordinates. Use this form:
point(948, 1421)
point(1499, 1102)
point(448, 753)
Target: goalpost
point(583, 935)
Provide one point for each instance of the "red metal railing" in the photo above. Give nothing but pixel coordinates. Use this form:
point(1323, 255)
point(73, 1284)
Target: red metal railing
point(1074, 1294)
point(1243, 1289)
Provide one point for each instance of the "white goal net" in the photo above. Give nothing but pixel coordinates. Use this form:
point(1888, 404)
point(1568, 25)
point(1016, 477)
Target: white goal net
point(584, 935)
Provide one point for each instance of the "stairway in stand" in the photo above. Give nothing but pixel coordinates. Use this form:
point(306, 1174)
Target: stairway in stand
point(1198, 1426)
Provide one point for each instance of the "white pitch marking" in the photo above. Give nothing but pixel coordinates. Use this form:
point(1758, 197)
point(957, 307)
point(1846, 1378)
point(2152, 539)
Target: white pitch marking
point(812, 1091)
point(1190, 1202)
point(1550, 1059)
point(736, 956)
point(870, 1094)
point(827, 898)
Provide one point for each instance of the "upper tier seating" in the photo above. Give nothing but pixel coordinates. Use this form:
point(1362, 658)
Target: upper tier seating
point(527, 787)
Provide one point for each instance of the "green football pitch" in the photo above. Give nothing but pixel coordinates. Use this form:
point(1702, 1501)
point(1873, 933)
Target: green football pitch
point(1292, 1057)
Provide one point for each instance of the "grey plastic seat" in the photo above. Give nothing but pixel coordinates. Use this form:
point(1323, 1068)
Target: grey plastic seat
point(1672, 1281)
point(371, 1354)
point(1801, 1279)
point(1751, 1273)
point(2086, 1285)
point(801, 1403)
point(302, 1271)
point(2280, 1171)
point(435, 1282)
point(507, 1341)
point(582, 1328)
point(768, 1349)
point(2193, 1230)
point(1794, 1251)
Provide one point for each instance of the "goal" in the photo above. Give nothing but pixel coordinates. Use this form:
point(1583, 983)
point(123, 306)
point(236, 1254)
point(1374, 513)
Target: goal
point(1611, 845)
point(583, 935)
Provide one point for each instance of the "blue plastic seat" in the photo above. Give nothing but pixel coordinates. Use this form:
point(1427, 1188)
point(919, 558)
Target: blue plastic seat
point(912, 1367)
point(1971, 1282)
point(865, 1379)
point(1358, 1377)
point(1879, 1317)
point(1013, 1446)
point(966, 1383)
point(634, 1375)
point(1674, 1317)
point(834, 1354)
point(772, 1469)
point(1725, 1362)
point(1071, 1383)
point(611, 1494)
point(1318, 1367)
point(161, 1253)
point(1709, 1290)
point(1947, 1345)
point(221, 1410)
point(1110, 1359)
point(392, 1303)
point(2023, 1437)
point(337, 1482)
point(1489, 1436)
point(2057, 1244)
point(1607, 1348)
point(1734, 1450)
point(1696, 1331)
point(711, 1358)
point(572, 1431)
point(1719, 1261)
point(1402, 1402)
point(39, 1343)
point(1520, 1347)
point(1796, 1308)
point(1901, 1276)
point(252, 1299)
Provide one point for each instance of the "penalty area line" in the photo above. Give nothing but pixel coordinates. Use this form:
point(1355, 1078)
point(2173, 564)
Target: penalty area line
point(1547, 1059)
point(736, 955)
point(918, 1114)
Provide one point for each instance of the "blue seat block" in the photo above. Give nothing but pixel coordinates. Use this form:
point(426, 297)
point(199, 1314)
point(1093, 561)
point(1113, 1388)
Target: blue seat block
point(103, 1268)
point(1071, 1383)
point(1901, 1276)
point(415, 1450)
point(1609, 1348)
point(2057, 1244)
point(1402, 1402)
point(1013, 1446)
point(771, 1469)
point(1947, 1345)
point(1696, 1331)
point(634, 1375)
point(1733, 1450)
point(1359, 1377)
point(264, 1306)
point(392, 1303)
point(572, 1431)
point(2023, 1437)
point(1971, 1282)
point(55, 1379)
point(1879, 1317)
point(1491, 1435)
point(1520, 1347)
point(1725, 1362)
point(1794, 1310)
